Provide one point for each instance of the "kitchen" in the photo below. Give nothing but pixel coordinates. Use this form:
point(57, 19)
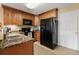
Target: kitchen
point(12, 34)
point(21, 29)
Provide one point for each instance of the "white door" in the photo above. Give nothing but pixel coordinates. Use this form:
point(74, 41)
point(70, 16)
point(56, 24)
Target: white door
point(68, 29)
point(78, 29)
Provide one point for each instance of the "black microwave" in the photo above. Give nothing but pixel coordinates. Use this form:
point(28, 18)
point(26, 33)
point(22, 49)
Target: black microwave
point(27, 22)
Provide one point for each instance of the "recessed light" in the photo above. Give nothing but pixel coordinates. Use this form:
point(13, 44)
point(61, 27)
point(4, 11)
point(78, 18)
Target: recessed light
point(31, 5)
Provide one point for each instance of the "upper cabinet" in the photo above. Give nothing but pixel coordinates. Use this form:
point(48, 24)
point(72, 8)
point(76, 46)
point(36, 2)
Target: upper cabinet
point(28, 16)
point(12, 16)
point(19, 18)
point(15, 17)
point(49, 14)
point(7, 16)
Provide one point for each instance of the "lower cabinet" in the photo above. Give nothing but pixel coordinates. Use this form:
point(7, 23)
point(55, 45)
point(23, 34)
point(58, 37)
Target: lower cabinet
point(37, 36)
point(19, 49)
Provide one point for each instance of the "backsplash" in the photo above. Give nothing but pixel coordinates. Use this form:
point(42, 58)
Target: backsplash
point(13, 27)
point(33, 28)
point(1, 30)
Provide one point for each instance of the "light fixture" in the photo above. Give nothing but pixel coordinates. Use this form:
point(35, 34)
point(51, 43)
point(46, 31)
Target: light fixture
point(32, 5)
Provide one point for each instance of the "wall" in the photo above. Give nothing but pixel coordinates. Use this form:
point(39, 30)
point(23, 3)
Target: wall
point(1, 21)
point(1, 12)
point(67, 31)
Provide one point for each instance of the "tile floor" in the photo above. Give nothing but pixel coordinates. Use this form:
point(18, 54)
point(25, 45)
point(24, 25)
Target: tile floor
point(42, 50)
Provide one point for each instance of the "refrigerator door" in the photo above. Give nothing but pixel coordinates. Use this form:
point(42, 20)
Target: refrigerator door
point(42, 34)
point(55, 33)
point(46, 33)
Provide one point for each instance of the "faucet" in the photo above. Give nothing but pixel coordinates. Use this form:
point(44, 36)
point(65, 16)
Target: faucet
point(5, 31)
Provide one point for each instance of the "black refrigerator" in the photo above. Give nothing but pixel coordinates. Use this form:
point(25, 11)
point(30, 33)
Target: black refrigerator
point(49, 32)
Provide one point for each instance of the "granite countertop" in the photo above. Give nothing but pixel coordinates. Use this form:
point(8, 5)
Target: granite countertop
point(13, 40)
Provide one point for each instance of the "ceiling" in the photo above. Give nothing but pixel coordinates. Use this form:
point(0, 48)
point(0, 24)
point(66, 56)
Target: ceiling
point(43, 7)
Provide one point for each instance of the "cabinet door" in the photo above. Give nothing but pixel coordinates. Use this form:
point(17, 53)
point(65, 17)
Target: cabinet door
point(19, 18)
point(14, 17)
point(7, 16)
point(37, 36)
